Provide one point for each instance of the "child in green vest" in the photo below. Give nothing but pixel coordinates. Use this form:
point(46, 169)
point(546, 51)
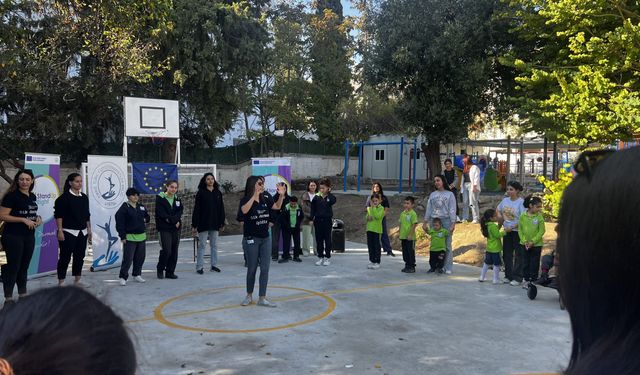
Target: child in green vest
point(292, 220)
point(375, 214)
point(531, 229)
point(438, 245)
point(408, 223)
point(493, 233)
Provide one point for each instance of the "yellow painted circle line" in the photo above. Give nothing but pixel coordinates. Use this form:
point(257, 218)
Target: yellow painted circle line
point(159, 315)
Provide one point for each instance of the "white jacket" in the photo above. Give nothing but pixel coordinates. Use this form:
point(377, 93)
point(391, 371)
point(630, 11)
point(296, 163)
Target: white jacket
point(474, 176)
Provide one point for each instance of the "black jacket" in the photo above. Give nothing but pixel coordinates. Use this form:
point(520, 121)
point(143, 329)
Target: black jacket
point(321, 208)
point(73, 210)
point(168, 215)
point(131, 220)
point(278, 216)
point(208, 212)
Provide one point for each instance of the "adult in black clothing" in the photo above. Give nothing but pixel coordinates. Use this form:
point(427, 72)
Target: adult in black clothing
point(376, 188)
point(451, 177)
point(322, 220)
point(208, 220)
point(19, 211)
point(257, 217)
point(278, 222)
point(130, 224)
point(74, 228)
point(168, 223)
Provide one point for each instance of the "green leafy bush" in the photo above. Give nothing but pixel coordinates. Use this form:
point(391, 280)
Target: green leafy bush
point(553, 191)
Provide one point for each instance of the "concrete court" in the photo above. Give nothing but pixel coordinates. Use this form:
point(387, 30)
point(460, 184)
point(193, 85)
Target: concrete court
point(341, 319)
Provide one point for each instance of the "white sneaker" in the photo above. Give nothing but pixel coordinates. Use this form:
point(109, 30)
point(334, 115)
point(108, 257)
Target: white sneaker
point(514, 283)
point(475, 222)
point(123, 282)
point(375, 266)
point(448, 272)
point(370, 265)
point(320, 262)
point(139, 279)
point(496, 282)
point(326, 262)
point(480, 279)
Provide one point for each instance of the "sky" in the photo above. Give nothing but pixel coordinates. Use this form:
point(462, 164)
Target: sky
point(237, 130)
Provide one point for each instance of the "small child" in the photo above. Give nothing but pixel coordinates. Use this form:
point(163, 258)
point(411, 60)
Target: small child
point(531, 229)
point(292, 220)
point(375, 214)
point(408, 223)
point(491, 230)
point(438, 245)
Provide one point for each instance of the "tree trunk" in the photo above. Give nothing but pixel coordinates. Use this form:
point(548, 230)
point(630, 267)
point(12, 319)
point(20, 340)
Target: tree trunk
point(431, 151)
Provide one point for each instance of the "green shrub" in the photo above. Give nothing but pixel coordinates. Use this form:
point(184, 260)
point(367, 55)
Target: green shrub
point(553, 191)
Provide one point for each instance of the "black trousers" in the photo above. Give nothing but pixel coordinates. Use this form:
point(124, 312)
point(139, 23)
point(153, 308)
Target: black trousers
point(512, 253)
point(408, 253)
point(275, 238)
point(169, 243)
point(531, 263)
point(323, 236)
point(72, 246)
point(374, 246)
point(134, 252)
point(436, 259)
point(19, 250)
point(288, 234)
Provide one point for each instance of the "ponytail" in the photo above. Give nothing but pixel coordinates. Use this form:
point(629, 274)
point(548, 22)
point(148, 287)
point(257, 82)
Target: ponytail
point(486, 218)
point(531, 200)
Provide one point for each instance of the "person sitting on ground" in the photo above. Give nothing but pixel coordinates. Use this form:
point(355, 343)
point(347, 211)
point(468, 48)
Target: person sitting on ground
point(599, 243)
point(64, 331)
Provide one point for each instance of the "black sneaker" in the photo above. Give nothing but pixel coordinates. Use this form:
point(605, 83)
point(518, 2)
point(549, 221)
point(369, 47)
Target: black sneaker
point(172, 276)
point(275, 259)
point(215, 269)
point(283, 260)
point(160, 274)
point(411, 270)
point(404, 270)
point(297, 259)
point(431, 270)
point(390, 253)
point(200, 271)
point(440, 271)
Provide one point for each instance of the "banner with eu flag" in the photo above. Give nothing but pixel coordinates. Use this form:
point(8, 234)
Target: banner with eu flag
point(149, 178)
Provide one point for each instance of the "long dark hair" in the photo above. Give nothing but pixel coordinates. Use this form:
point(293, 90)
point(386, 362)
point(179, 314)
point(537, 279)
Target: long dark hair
point(599, 251)
point(381, 192)
point(203, 181)
point(485, 219)
point(65, 331)
point(15, 184)
point(444, 181)
point(69, 180)
point(250, 186)
point(309, 184)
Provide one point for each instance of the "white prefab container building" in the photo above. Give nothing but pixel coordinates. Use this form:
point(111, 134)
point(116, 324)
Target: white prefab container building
point(382, 162)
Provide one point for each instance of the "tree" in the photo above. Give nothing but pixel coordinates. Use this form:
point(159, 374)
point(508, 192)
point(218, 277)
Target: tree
point(64, 66)
point(578, 65)
point(434, 58)
point(330, 67)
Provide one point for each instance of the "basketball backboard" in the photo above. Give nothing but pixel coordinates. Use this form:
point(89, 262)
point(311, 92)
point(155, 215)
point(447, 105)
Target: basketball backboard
point(155, 118)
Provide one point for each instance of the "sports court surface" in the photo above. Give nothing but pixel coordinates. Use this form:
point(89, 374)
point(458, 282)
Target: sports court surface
point(341, 319)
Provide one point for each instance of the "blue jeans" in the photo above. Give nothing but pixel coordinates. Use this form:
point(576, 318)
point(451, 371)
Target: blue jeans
point(258, 250)
point(446, 224)
point(213, 244)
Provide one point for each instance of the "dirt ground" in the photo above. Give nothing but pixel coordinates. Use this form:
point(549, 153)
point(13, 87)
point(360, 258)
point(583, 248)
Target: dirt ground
point(468, 243)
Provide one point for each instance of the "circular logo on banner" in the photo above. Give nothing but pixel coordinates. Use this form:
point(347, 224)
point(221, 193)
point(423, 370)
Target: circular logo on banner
point(107, 185)
point(272, 180)
point(46, 191)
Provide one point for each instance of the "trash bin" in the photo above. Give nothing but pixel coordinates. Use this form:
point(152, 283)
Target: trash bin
point(337, 236)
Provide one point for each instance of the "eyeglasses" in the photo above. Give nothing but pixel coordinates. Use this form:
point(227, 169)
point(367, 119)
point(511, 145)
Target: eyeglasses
point(588, 160)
